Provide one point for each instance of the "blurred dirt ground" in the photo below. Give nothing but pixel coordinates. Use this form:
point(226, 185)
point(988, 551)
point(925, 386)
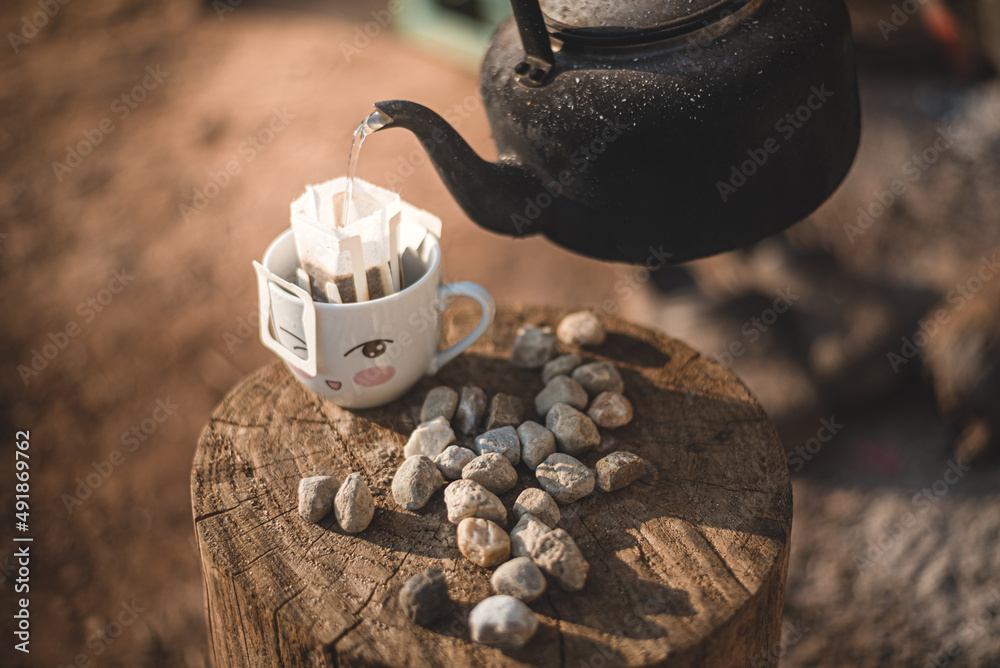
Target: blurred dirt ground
point(114, 535)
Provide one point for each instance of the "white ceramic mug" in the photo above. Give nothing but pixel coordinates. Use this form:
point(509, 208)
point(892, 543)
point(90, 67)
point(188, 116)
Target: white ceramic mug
point(364, 354)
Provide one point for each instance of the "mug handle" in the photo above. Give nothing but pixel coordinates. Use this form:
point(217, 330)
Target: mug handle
point(265, 276)
point(485, 301)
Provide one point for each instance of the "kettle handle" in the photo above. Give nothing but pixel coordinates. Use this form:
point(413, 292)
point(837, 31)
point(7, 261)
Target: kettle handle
point(539, 60)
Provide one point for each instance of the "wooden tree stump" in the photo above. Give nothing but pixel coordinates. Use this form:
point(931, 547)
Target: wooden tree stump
point(687, 564)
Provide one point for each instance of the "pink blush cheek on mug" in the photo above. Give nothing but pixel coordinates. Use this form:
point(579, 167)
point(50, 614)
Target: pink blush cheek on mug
point(374, 376)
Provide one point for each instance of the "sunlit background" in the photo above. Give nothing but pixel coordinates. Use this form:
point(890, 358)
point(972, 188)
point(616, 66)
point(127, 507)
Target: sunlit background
point(128, 299)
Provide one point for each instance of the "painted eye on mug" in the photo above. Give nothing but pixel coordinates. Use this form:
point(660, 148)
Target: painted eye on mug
point(371, 349)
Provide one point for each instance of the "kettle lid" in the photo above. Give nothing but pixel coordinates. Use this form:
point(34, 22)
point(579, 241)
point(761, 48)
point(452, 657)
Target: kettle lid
point(624, 22)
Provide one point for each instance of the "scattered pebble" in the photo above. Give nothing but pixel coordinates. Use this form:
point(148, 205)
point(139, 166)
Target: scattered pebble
point(538, 503)
point(610, 410)
point(505, 411)
point(582, 328)
point(416, 481)
point(561, 390)
point(519, 578)
point(503, 440)
point(537, 443)
point(575, 433)
point(502, 620)
point(560, 366)
point(425, 596)
point(491, 470)
point(598, 377)
point(452, 460)
point(354, 504)
point(525, 534)
point(533, 347)
point(316, 496)
point(430, 438)
point(471, 408)
point(467, 498)
point(440, 402)
point(483, 542)
point(565, 478)
point(556, 553)
point(618, 470)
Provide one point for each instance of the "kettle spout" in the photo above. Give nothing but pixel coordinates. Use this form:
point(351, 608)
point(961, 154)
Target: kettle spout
point(491, 194)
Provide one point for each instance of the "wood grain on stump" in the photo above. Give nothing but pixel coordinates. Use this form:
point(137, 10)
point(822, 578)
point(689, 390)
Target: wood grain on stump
point(687, 564)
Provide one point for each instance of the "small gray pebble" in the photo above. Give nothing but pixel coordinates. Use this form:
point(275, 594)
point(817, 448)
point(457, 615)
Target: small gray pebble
point(525, 534)
point(519, 578)
point(316, 496)
point(557, 554)
point(505, 411)
point(471, 408)
point(503, 440)
point(537, 443)
point(440, 402)
point(538, 503)
point(493, 471)
point(467, 498)
point(425, 596)
point(582, 328)
point(560, 366)
point(354, 504)
point(618, 470)
point(430, 438)
point(561, 390)
point(610, 410)
point(575, 433)
point(533, 347)
point(598, 377)
point(565, 478)
point(415, 482)
point(503, 621)
point(453, 460)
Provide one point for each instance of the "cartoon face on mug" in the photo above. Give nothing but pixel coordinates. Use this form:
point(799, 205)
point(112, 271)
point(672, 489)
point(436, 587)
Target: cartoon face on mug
point(347, 366)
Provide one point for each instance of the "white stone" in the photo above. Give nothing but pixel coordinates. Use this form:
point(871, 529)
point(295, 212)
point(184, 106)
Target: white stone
point(354, 504)
point(502, 621)
point(452, 460)
point(483, 542)
point(565, 478)
point(525, 534)
point(467, 498)
point(561, 390)
point(430, 438)
point(316, 496)
point(537, 443)
point(582, 328)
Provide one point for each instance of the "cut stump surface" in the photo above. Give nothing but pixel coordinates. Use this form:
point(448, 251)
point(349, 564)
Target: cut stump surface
point(687, 564)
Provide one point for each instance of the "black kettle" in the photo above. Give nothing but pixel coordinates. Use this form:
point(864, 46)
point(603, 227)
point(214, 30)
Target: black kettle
point(629, 129)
